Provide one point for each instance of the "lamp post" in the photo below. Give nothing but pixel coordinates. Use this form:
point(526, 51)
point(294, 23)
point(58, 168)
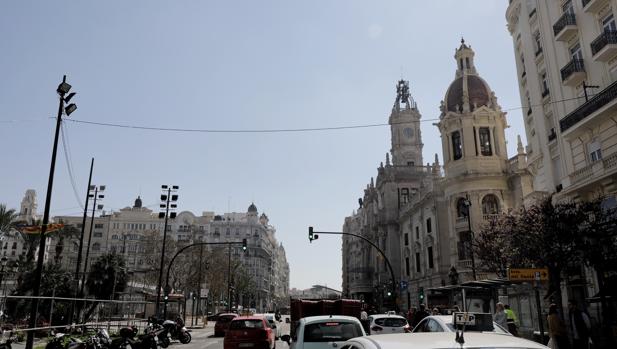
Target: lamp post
point(62, 90)
point(93, 194)
point(168, 201)
point(467, 204)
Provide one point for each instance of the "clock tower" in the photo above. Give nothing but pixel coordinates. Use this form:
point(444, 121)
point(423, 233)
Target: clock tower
point(404, 123)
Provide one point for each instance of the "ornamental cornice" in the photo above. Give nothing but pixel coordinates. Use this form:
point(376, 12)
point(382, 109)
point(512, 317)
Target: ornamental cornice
point(512, 15)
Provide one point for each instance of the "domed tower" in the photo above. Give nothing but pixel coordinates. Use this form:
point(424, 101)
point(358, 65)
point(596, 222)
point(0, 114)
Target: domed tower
point(471, 122)
point(405, 128)
point(252, 213)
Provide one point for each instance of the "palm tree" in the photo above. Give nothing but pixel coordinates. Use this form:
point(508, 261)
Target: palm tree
point(107, 277)
point(8, 217)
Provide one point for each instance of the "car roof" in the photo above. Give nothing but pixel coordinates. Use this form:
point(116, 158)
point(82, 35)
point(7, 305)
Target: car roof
point(227, 314)
point(432, 340)
point(248, 317)
point(379, 316)
point(326, 318)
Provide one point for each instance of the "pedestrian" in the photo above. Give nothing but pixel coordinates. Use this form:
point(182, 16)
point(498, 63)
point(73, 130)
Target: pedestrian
point(410, 316)
point(435, 311)
point(419, 315)
point(500, 316)
point(580, 326)
point(511, 320)
point(556, 330)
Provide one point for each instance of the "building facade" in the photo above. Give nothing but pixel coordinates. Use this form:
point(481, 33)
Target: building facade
point(136, 231)
point(566, 57)
point(423, 217)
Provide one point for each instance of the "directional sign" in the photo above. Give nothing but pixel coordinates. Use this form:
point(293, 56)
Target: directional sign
point(537, 274)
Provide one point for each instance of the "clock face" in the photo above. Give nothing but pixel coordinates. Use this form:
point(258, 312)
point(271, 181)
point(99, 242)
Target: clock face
point(408, 132)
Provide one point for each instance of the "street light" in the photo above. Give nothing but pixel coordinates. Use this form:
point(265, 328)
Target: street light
point(467, 204)
point(62, 90)
point(168, 201)
point(93, 194)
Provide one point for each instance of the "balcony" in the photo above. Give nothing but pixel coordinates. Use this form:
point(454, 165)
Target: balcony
point(595, 170)
point(601, 104)
point(604, 47)
point(593, 6)
point(565, 27)
point(573, 73)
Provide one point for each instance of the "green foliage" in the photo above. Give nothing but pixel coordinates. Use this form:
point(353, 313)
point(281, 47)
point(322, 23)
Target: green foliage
point(7, 218)
point(107, 275)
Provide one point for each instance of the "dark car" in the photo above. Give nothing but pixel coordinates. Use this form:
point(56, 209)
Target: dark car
point(222, 322)
point(249, 332)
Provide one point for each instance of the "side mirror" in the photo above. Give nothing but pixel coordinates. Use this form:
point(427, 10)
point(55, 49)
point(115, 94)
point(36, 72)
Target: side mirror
point(286, 338)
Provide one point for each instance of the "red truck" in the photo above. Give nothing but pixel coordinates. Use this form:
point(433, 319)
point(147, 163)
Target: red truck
point(300, 308)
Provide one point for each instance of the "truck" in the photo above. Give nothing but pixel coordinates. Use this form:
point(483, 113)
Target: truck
point(300, 308)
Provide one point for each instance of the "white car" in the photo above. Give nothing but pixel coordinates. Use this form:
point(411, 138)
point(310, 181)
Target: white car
point(386, 324)
point(324, 332)
point(271, 319)
point(476, 340)
point(445, 323)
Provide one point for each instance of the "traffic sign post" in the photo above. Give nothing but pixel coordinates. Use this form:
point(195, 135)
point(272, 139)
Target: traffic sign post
point(528, 274)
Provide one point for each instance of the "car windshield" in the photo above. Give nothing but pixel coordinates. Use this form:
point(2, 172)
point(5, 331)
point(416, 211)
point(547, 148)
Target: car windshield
point(332, 331)
point(244, 324)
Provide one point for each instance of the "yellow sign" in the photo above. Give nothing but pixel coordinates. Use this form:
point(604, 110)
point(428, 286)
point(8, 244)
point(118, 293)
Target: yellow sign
point(536, 274)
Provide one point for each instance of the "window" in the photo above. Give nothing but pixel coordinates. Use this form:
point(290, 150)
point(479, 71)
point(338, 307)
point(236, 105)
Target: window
point(98, 234)
point(595, 151)
point(98, 226)
point(114, 237)
point(417, 262)
point(545, 90)
point(485, 141)
point(331, 331)
point(429, 226)
point(406, 239)
point(567, 7)
point(457, 148)
point(537, 42)
point(407, 266)
point(464, 246)
point(404, 196)
point(430, 257)
point(14, 246)
point(417, 233)
point(227, 231)
point(461, 208)
point(576, 52)
point(490, 204)
point(608, 23)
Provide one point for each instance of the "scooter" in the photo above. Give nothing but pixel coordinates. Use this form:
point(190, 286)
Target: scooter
point(177, 330)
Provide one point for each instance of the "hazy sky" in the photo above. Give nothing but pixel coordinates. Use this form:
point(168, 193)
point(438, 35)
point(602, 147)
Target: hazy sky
point(235, 65)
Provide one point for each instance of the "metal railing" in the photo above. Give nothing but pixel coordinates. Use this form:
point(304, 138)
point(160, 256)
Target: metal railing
point(574, 66)
point(565, 20)
point(598, 101)
point(607, 37)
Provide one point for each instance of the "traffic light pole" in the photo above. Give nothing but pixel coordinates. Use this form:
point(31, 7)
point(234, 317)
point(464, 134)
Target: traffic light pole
point(167, 287)
point(313, 236)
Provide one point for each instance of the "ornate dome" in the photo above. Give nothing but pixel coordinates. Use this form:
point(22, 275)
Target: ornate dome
point(478, 93)
point(252, 208)
point(137, 202)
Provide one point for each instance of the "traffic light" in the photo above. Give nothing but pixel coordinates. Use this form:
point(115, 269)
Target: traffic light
point(166, 297)
point(389, 294)
point(421, 294)
point(312, 236)
point(244, 245)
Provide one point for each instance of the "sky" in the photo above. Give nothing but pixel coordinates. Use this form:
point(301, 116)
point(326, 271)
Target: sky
point(234, 65)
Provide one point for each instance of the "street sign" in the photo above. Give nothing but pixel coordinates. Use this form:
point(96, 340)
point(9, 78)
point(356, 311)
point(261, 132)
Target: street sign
point(403, 285)
point(530, 274)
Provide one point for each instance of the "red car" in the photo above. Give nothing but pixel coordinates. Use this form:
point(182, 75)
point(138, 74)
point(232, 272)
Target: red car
point(222, 322)
point(249, 332)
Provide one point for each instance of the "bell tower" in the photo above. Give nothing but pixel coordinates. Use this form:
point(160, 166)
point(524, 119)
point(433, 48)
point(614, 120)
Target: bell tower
point(404, 121)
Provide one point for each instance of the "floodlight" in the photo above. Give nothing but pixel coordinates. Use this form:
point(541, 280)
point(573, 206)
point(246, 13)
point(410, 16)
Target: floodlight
point(175, 187)
point(69, 97)
point(63, 88)
point(161, 214)
point(163, 187)
point(174, 197)
point(163, 197)
point(70, 109)
point(102, 188)
point(172, 215)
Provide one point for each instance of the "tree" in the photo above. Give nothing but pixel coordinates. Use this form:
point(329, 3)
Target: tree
point(54, 281)
point(107, 277)
point(8, 218)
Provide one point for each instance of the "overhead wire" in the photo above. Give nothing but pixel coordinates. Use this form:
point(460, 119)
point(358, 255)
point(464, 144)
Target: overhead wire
point(69, 166)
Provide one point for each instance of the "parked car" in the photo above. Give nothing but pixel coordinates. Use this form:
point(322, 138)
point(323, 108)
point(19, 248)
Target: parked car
point(445, 323)
point(249, 332)
point(271, 319)
point(324, 332)
point(222, 323)
point(476, 340)
point(386, 324)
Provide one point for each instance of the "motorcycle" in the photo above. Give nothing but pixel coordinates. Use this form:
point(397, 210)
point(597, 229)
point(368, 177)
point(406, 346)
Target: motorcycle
point(177, 330)
point(127, 339)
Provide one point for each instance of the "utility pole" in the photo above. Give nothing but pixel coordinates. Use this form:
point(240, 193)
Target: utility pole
point(201, 252)
point(228, 278)
point(166, 197)
point(473, 259)
point(81, 245)
point(62, 90)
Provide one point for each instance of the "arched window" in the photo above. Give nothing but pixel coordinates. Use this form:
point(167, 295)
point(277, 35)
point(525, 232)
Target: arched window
point(485, 141)
point(457, 146)
point(461, 208)
point(490, 204)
